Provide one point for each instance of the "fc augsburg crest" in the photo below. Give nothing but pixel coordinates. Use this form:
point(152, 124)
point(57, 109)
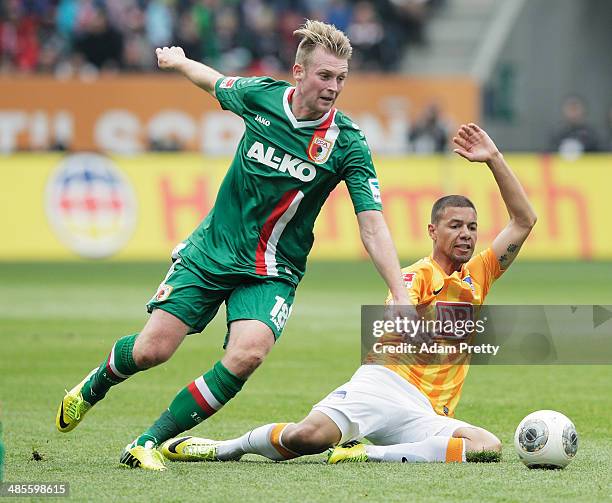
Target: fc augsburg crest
point(319, 149)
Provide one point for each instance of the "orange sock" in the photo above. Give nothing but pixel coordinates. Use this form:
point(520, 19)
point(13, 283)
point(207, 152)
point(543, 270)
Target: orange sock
point(454, 450)
point(265, 441)
point(275, 440)
point(432, 449)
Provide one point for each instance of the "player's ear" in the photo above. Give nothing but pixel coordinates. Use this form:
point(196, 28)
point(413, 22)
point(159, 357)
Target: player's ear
point(431, 230)
point(298, 72)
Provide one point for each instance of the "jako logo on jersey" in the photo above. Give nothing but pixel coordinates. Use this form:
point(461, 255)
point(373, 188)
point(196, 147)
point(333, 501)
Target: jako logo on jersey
point(263, 121)
point(375, 188)
point(91, 205)
point(292, 165)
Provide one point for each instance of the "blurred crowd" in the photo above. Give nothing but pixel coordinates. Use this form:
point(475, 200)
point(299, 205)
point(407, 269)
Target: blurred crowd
point(83, 38)
point(575, 135)
point(571, 137)
point(67, 37)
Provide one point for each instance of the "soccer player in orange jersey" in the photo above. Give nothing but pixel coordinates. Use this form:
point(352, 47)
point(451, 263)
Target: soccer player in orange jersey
point(406, 411)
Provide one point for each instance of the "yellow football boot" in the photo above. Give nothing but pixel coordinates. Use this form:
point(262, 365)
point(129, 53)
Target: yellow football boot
point(348, 453)
point(190, 449)
point(138, 456)
point(73, 407)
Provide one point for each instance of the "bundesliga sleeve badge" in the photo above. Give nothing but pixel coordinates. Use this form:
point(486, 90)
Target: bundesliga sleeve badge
point(408, 279)
point(228, 82)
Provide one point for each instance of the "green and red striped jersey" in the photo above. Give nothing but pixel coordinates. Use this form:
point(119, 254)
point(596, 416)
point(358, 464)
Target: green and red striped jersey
point(284, 169)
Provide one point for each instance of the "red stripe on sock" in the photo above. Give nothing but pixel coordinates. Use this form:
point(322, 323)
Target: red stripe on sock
point(197, 396)
point(110, 370)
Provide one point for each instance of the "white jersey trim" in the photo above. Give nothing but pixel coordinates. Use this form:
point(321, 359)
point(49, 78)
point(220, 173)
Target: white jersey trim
point(294, 122)
point(279, 227)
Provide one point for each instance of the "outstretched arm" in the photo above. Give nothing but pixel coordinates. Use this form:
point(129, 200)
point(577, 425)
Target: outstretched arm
point(173, 58)
point(377, 240)
point(475, 145)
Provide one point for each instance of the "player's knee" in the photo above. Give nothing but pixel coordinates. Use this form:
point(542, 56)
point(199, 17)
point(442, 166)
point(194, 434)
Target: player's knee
point(149, 357)
point(244, 361)
point(483, 440)
point(159, 339)
point(488, 441)
point(148, 354)
point(493, 444)
point(253, 359)
point(305, 438)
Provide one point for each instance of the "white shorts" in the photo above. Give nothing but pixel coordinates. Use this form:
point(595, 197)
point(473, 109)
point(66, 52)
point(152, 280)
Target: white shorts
point(381, 406)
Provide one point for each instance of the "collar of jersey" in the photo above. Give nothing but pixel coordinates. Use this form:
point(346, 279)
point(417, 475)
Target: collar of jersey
point(296, 123)
point(461, 273)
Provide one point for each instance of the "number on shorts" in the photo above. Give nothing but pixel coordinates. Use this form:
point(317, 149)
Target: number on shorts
point(280, 312)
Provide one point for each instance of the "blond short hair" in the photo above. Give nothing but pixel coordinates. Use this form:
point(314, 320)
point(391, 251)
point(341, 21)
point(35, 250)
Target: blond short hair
point(318, 34)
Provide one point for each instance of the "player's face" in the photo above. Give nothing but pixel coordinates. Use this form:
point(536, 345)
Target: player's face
point(455, 234)
point(320, 81)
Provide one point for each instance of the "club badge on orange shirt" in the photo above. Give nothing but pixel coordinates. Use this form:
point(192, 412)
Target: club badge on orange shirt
point(319, 149)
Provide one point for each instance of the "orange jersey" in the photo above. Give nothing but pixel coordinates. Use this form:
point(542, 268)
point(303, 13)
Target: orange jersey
point(429, 287)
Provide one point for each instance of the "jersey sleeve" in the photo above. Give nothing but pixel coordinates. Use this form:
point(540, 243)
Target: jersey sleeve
point(485, 269)
point(233, 92)
point(360, 177)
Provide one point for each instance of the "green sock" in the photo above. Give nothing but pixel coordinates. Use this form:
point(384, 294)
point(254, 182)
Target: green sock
point(164, 428)
point(194, 404)
point(116, 368)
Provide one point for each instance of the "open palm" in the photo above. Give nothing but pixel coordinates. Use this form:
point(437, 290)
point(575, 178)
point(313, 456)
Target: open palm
point(474, 144)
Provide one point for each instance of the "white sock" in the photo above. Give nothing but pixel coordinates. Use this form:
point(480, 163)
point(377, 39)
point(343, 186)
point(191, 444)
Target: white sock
point(432, 449)
point(231, 450)
point(265, 441)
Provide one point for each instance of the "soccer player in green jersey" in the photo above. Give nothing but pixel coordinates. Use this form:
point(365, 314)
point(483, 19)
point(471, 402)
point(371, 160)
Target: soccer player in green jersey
point(250, 251)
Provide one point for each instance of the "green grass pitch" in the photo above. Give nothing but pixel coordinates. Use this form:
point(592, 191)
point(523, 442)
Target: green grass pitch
point(58, 320)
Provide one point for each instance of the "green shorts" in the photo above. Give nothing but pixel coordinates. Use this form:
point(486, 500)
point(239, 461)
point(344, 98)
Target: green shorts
point(194, 295)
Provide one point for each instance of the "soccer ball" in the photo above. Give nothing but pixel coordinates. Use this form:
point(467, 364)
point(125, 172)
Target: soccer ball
point(546, 439)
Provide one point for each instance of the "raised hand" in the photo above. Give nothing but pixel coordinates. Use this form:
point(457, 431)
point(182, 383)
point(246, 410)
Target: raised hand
point(474, 144)
point(169, 57)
